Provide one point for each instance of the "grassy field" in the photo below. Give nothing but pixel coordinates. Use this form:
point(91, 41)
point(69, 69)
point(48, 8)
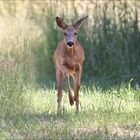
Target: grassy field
point(104, 114)
point(110, 91)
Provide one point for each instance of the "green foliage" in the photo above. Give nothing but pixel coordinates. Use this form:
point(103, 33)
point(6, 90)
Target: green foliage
point(111, 43)
point(110, 37)
point(113, 46)
point(46, 48)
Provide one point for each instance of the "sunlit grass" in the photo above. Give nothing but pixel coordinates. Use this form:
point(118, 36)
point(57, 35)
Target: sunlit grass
point(103, 114)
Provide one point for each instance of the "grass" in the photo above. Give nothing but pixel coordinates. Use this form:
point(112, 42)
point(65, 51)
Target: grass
point(110, 114)
point(28, 111)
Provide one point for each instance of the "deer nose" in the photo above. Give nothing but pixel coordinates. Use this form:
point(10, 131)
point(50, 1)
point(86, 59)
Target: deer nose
point(70, 44)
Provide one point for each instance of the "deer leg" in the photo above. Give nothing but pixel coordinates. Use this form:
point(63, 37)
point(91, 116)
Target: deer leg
point(66, 75)
point(59, 85)
point(69, 91)
point(77, 88)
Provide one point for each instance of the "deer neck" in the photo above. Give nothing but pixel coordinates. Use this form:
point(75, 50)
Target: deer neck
point(70, 51)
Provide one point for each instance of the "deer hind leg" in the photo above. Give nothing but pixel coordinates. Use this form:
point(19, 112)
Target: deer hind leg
point(59, 78)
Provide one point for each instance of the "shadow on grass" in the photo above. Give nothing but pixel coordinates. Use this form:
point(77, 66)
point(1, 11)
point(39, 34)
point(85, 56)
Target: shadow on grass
point(65, 126)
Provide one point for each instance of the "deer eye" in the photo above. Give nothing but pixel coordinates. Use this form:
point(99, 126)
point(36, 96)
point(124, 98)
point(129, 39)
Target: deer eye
point(65, 34)
point(75, 33)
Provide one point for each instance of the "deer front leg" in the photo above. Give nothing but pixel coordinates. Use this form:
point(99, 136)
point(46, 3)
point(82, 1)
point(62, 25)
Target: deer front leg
point(66, 75)
point(59, 86)
point(77, 82)
point(69, 91)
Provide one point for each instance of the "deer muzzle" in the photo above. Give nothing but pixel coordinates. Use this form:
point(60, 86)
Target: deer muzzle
point(70, 44)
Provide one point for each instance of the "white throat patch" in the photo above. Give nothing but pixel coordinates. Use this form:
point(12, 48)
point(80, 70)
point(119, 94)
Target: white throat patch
point(70, 46)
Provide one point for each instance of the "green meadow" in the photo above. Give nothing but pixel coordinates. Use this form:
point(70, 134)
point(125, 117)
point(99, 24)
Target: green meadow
point(110, 88)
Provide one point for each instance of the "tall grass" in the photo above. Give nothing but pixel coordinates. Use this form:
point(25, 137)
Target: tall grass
point(16, 66)
point(110, 39)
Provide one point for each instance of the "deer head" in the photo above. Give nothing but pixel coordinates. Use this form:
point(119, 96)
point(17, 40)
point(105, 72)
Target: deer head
point(70, 31)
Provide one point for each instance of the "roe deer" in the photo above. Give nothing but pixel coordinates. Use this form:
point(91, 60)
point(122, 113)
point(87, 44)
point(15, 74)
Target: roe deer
point(68, 59)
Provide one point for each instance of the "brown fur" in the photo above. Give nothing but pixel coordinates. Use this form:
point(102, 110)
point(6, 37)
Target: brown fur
point(68, 61)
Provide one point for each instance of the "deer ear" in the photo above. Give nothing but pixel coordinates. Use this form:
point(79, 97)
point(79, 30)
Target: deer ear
point(60, 23)
point(79, 22)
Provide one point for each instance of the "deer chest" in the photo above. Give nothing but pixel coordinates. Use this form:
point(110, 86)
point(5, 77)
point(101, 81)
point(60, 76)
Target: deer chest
point(71, 62)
